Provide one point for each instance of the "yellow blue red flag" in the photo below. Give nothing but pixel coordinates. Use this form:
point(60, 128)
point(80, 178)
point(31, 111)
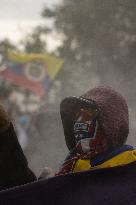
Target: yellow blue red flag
point(34, 72)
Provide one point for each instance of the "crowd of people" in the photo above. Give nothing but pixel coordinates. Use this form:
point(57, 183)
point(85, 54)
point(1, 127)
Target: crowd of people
point(99, 168)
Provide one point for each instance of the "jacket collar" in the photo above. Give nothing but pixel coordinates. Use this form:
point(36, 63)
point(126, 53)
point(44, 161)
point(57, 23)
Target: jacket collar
point(99, 159)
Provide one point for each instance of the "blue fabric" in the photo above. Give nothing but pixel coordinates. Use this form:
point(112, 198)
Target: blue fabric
point(99, 159)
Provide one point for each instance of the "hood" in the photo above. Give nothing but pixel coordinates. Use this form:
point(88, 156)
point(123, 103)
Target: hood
point(113, 114)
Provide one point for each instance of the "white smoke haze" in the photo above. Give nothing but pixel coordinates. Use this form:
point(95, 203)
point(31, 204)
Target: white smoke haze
point(46, 143)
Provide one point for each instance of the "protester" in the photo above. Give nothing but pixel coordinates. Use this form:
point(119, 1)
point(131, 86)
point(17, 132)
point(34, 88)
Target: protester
point(96, 129)
point(100, 168)
point(13, 164)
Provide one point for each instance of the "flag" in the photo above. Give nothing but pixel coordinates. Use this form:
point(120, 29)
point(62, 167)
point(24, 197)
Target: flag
point(35, 72)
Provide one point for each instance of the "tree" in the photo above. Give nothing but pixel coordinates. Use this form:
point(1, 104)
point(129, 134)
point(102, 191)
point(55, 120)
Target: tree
point(34, 41)
point(92, 25)
point(5, 44)
point(98, 39)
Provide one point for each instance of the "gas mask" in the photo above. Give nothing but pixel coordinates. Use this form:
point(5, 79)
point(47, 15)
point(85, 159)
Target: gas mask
point(88, 135)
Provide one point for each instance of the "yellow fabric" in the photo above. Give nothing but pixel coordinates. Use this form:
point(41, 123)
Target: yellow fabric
point(119, 160)
point(53, 63)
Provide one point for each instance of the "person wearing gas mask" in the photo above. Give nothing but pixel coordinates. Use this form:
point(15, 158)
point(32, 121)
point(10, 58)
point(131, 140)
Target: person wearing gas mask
point(100, 167)
point(96, 129)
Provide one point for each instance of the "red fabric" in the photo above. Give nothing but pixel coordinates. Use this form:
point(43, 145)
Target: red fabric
point(96, 143)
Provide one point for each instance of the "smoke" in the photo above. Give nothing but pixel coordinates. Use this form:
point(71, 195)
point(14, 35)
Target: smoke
point(46, 142)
